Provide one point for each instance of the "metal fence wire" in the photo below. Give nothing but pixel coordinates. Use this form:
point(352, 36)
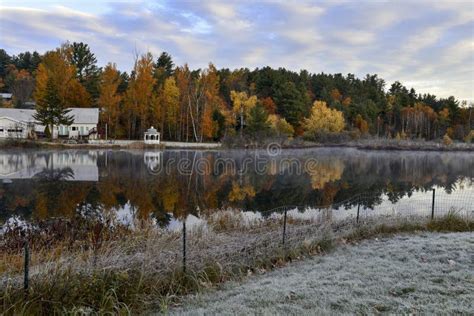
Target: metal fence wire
point(290, 224)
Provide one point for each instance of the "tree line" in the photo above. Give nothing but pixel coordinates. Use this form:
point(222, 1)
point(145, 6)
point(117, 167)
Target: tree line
point(210, 104)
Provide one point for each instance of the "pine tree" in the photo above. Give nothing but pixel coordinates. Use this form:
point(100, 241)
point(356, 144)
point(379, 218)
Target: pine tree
point(163, 69)
point(49, 110)
point(257, 122)
point(87, 71)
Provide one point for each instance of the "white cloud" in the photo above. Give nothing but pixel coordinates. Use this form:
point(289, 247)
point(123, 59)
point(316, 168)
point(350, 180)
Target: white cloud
point(355, 37)
point(425, 44)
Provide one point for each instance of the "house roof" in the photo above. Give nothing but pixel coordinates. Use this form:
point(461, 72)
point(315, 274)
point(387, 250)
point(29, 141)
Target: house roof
point(21, 115)
point(85, 115)
point(151, 130)
point(6, 95)
point(81, 115)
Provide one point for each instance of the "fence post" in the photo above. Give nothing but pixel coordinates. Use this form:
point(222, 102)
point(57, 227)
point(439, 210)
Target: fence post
point(284, 227)
point(432, 205)
point(184, 246)
point(27, 268)
point(358, 209)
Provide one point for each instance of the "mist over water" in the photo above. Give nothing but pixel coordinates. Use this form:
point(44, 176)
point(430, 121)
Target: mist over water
point(42, 184)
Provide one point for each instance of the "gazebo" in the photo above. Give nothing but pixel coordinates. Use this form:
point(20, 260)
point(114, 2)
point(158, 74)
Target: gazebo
point(151, 136)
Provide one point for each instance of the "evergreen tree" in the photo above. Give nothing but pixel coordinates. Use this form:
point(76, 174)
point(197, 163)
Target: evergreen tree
point(166, 62)
point(5, 60)
point(27, 61)
point(290, 103)
point(257, 122)
point(164, 68)
point(49, 110)
point(87, 71)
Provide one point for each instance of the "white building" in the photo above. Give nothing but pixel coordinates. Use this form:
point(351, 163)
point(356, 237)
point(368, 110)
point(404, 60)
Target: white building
point(84, 126)
point(20, 123)
point(16, 123)
point(152, 136)
point(6, 96)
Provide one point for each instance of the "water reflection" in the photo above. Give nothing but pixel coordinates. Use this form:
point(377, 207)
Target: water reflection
point(28, 164)
point(137, 184)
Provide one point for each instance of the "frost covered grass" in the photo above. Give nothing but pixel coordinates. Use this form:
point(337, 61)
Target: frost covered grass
point(120, 270)
point(426, 273)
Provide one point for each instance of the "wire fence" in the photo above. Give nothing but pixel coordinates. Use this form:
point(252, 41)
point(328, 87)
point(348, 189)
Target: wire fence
point(278, 230)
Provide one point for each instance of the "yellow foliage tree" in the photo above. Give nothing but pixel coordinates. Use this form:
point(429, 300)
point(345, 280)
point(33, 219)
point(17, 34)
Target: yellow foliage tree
point(170, 106)
point(210, 79)
point(280, 126)
point(109, 100)
point(447, 140)
point(139, 98)
point(347, 101)
point(336, 95)
point(241, 105)
point(323, 119)
point(470, 137)
point(361, 124)
point(77, 96)
point(56, 66)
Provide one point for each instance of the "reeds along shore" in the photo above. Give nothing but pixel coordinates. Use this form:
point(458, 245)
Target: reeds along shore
point(97, 266)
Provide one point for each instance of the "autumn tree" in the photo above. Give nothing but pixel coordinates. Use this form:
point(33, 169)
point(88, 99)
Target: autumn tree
point(212, 103)
point(140, 97)
point(109, 100)
point(242, 103)
point(183, 78)
point(199, 92)
point(55, 66)
point(280, 126)
point(336, 95)
point(170, 108)
point(323, 119)
point(361, 124)
point(21, 85)
point(269, 105)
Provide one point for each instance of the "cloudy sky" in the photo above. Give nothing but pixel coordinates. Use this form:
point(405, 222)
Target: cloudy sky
point(425, 44)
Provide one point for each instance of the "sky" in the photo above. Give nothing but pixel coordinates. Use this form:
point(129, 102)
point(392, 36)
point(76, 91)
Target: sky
point(428, 45)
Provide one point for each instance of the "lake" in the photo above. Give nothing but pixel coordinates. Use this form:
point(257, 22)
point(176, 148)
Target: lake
point(41, 184)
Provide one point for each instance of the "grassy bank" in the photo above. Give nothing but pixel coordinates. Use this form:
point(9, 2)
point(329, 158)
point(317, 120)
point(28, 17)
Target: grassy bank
point(236, 143)
point(344, 141)
point(119, 144)
point(123, 270)
point(386, 144)
point(44, 144)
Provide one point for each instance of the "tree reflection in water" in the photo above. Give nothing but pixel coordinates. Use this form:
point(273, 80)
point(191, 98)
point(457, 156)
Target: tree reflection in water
point(122, 181)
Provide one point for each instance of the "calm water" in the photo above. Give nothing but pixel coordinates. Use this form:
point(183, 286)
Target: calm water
point(40, 184)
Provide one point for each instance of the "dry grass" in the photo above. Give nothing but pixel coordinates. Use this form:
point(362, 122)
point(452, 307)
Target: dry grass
point(123, 270)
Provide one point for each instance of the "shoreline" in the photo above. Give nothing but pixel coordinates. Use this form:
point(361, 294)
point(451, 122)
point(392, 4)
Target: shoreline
point(376, 145)
point(390, 147)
